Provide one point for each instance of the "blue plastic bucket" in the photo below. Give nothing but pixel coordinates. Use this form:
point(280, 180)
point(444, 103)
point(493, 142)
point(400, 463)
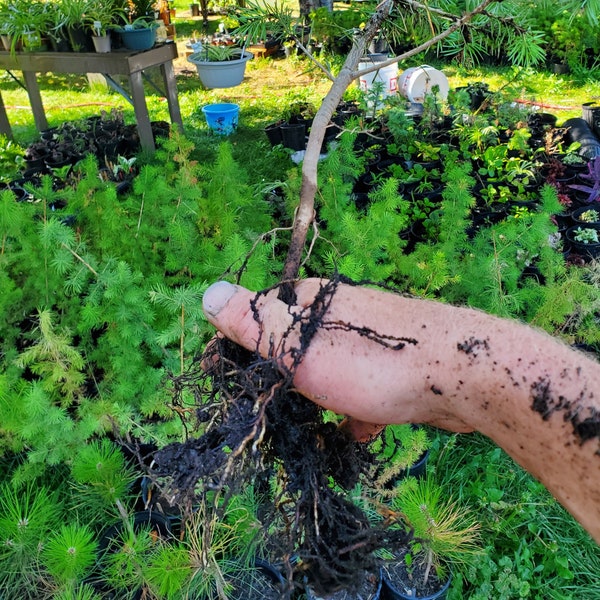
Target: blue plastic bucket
point(222, 118)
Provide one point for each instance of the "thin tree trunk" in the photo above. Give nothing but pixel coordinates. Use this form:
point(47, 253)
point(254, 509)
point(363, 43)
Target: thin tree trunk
point(307, 6)
point(348, 73)
point(305, 212)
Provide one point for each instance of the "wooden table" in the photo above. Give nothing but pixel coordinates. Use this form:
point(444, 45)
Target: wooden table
point(120, 62)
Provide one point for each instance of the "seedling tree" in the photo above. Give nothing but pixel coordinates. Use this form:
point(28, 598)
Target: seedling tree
point(254, 23)
point(251, 422)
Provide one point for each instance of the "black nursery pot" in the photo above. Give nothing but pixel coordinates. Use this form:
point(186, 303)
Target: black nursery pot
point(373, 593)
point(19, 192)
point(587, 251)
point(418, 468)
point(273, 133)
point(293, 136)
point(576, 214)
point(80, 40)
point(110, 541)
point(269, 573)
point(390, 591)
point(158, 525)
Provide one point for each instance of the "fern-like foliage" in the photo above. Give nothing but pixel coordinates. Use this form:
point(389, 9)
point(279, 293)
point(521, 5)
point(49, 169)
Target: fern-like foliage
point(52, 357)
point(187, 325)
point(359, 244)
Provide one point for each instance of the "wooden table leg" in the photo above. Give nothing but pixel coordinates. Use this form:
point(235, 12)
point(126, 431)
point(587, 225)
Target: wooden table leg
point(168, 74)
point(35, 100)
point(141, 111)
point(4, 122)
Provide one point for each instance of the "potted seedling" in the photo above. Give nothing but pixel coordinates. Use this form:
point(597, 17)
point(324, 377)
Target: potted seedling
point(590, 190)
point(427, 154)
point(585, 235)
point(442, 534)
point(139, 34)
point(139, 30)
point(585, 240)
point(57, 32)
point(76, 30)
point(100, 18)
point(402, 450)
point(585, 214)
point(26, 25)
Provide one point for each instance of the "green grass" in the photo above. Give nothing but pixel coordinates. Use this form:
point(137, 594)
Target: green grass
point(270, 84)
point(531, 547)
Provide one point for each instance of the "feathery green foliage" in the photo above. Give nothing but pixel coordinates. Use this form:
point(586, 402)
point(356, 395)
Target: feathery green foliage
point(70, 553)
point(51, 357)
point(446, 532)
point(27, 514)
point(100, 468)
point(359, 244)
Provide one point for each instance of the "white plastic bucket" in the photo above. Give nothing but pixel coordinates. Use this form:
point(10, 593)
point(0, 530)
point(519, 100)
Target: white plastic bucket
point(388, 76)
point(415, 83)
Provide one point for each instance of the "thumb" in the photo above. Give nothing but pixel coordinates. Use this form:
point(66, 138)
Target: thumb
point(229, 308)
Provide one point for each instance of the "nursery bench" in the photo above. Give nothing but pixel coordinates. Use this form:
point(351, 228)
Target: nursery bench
point(125, 62)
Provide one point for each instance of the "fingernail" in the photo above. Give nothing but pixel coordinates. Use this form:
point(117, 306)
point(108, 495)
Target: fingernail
point(216, 297)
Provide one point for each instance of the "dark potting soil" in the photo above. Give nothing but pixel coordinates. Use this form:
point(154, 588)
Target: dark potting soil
point(251, 422)
point(584, 420)
point(404, 580)
point(366, 589)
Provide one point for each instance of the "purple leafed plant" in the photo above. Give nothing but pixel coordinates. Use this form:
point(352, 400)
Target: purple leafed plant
point(593, 176)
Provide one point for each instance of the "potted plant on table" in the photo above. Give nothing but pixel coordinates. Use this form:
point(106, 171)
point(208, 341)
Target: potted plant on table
point(77, 33)
point(100, 17)
point(58, 33)
point(139, 30)
point(220, 66)
point(26, 24)
point(5, 38)
point(139, 34)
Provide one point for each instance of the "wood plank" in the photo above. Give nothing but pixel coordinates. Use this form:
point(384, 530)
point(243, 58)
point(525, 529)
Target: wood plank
point(119, 62)
point(35, 100)
point(141, 111)
point(168, 74)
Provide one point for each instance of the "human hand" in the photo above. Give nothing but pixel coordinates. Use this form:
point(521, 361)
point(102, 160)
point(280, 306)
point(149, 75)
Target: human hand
point(345, 369)
point(463, 370)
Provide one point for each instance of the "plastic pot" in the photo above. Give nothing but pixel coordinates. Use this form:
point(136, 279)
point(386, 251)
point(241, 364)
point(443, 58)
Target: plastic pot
point(589, 250)
point(293, 136)
point(273, 133)
point(138, 39)
point(220, 74)
point(578, 130)
point(222, 118)
point(102, 43)
point(390, 591)
point(373, 593)
point(576, 214)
